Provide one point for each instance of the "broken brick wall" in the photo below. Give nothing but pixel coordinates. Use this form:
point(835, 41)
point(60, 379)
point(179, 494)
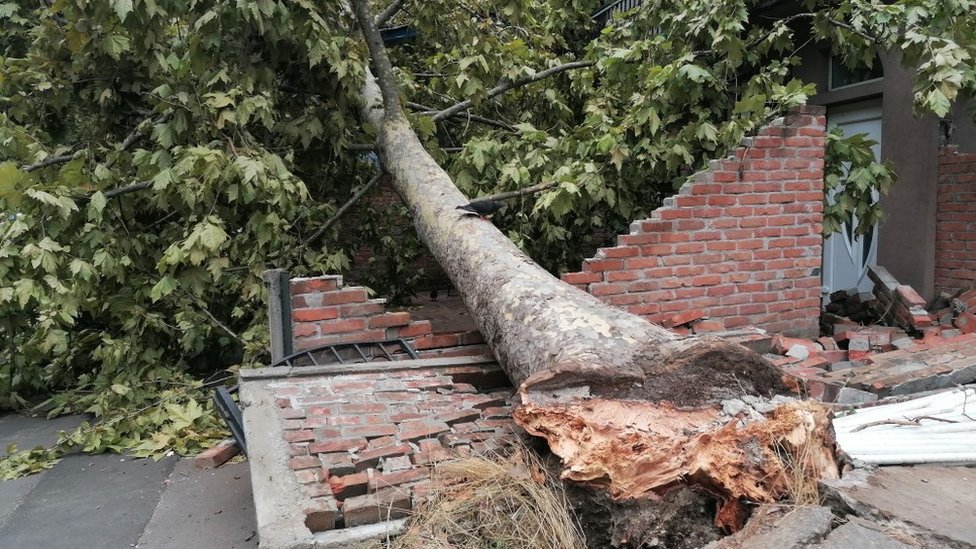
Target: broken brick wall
point(383, 197)
point(955, 233)
point(361, 444)
point(325, 311)
point(741, 240)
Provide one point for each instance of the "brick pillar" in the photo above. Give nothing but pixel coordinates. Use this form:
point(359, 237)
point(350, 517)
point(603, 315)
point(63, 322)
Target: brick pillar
point(955, 230)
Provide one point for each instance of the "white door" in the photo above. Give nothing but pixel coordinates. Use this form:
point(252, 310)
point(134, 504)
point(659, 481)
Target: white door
point(846, 256)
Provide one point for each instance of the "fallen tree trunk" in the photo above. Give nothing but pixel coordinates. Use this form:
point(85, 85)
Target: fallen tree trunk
point(607, 389)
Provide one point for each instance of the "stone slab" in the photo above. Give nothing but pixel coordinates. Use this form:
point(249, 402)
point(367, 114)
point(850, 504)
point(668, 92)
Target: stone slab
point(780, 527)
point(855, 535)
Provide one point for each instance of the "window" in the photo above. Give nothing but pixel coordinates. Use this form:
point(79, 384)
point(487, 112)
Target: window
point(842, 76)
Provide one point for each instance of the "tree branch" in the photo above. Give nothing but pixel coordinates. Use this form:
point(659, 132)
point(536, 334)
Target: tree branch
point(221, 325)
point(388, 13)
point(118, 191)
point(513, 194)
point(345, 207)
point(361, 147)
point(381, 62)
point(133, 136)
point(506, 86)
point(472, 117)
point(835, 22)
point(49, 161)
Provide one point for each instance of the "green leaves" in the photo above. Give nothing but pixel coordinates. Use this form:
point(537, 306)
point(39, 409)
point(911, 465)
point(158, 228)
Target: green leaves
point(853, 182)
point(11, 183)
point(114, 45)
point(122, 8)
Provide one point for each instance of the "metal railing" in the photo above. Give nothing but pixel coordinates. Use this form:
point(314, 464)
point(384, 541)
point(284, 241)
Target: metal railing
point(604, 14)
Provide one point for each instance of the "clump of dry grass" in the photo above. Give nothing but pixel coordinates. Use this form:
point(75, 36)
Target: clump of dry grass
point(493, 502)
point(803, 486)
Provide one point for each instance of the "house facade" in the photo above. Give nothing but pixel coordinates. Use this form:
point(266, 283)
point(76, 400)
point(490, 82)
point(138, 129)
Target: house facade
point(928, 236)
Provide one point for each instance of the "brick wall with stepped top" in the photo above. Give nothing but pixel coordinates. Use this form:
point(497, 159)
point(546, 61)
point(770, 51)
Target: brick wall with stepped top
point(741, 240)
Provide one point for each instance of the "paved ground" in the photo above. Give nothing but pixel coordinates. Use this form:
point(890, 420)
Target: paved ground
point(935, 499)
point(110, 501)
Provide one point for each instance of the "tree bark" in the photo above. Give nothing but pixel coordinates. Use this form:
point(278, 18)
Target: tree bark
point(603, 386)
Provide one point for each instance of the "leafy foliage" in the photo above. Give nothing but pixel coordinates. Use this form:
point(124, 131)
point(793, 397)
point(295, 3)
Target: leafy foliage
point(142, 420)
point(157, 156)
point(853, 182)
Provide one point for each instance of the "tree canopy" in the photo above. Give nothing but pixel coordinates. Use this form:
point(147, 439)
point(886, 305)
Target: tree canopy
point(157, 155)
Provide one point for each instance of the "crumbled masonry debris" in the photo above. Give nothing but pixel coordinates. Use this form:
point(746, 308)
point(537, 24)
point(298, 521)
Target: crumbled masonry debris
point(882, 343)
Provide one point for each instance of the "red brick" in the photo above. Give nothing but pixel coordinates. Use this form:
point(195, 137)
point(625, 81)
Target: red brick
point(414, 329)
point(375, 307)
point(369, 431)
point(384, 480)
point(498, 412)
point(216, 455)
point(437, 341)
point(828, 343)
point(305, 330)
point(304, 462)
point(604, 288)
point(342, 326)
point(595, 265)
point(582, 278)
point(620, 252)
point(340, 297)
point(336, 464)
point(908, 295)
point(966, 322)
point(781, 344)
point(458, 416)
point(413, 430)
point(370, 458)
point(299, 436)
point(389, 504)
point(307, 476)
point(321, 514)
point(834, 355)
point(349, 485)
point(364, 408)
point(314, 285)
point(320, 411)
point(312, 315)
point(705, 326)
point(362, 336)
point(337, 445)
point(389, 320)
point(683, 318)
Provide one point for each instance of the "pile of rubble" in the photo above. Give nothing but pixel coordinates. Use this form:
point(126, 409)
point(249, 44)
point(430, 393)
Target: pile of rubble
point(886, 342)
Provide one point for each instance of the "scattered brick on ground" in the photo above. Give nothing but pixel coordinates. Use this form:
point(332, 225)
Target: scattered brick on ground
point(362, 442)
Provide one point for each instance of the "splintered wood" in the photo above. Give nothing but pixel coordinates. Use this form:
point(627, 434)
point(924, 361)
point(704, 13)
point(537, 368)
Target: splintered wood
point(638, 449)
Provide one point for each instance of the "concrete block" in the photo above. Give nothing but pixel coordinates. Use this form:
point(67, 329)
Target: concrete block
point(853, 535)
point(848, 395)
